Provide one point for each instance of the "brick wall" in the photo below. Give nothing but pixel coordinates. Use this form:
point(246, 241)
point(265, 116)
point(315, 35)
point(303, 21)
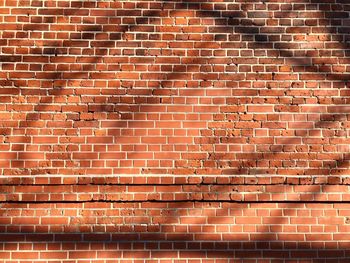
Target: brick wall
point(187, 131)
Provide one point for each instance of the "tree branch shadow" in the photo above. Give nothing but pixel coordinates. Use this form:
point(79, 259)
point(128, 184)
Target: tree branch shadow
point(230, 24)
point(130, 102)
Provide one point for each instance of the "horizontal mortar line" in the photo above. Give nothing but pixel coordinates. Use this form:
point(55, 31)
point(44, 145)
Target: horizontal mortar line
point(177, 201)
point(173, 184)
point(164, 49)
point(165, 176)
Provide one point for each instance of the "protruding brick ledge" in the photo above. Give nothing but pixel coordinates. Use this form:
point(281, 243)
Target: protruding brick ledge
point(173, 179)
point(175, 189)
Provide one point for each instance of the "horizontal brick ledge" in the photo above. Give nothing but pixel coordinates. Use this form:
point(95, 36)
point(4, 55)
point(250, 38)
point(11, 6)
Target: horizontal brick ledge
point(156, 179)
point(161, 193)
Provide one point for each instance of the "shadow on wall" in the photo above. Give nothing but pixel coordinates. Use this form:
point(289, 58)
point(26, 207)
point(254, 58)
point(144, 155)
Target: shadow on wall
point(113, 80)
point(229, 90)
point(219, 230)
point(178, 231)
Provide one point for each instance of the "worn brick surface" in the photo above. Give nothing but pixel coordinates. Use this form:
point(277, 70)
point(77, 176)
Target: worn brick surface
point(187, 131)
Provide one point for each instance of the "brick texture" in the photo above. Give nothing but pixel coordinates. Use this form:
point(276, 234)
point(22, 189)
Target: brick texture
point(184, 131)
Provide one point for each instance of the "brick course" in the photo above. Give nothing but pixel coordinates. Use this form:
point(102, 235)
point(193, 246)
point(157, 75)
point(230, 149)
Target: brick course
point(187, 131)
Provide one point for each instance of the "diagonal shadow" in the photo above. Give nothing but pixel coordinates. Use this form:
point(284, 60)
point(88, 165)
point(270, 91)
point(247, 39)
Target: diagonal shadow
point(134, 235)
point(235, 23)
point(178, 74)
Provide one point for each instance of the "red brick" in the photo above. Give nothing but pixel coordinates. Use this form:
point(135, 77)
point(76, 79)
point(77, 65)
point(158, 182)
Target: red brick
point(178, 130)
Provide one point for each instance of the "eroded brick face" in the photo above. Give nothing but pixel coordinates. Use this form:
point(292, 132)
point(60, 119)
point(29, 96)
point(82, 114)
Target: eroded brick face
point(187, 131)
point(174, 87)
